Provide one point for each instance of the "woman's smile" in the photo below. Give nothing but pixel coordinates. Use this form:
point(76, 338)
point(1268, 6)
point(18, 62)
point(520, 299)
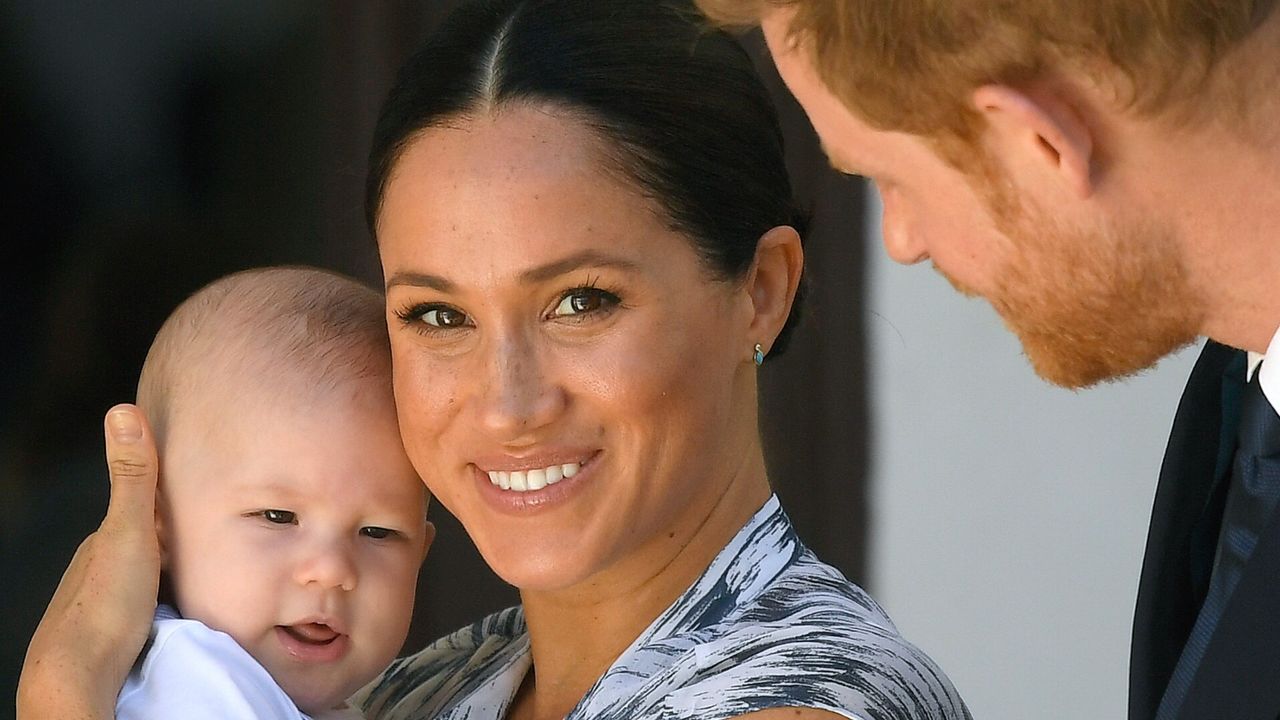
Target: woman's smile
point(538, 483)
point(532, 480)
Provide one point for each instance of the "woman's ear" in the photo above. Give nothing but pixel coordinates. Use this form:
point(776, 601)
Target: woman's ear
point(773, 282)
point(1041, 132)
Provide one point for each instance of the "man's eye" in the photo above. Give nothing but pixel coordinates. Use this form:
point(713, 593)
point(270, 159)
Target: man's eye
point(444, 317)
point(377, 533)
point(280, 517)
point(584, 300)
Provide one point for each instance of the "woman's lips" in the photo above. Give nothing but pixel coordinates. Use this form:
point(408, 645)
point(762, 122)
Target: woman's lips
point(534, 486)
point(533, 479)
point(313, 642)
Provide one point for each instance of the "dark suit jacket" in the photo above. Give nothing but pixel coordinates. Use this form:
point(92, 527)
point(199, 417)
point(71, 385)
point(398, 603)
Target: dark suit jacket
point(1239, 676)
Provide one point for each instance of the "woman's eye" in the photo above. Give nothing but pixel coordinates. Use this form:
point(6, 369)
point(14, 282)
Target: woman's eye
point(280, 517)
point(584, 300)
point(434, 319)
point(377, 533)
point(444, 317)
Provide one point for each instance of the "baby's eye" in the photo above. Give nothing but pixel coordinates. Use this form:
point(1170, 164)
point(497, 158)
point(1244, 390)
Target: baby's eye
point(280, 517)
point(584, 300)
point(377, 533)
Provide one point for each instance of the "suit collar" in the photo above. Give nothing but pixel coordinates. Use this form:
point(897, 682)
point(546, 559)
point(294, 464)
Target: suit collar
point(1237, 676)
point(1183, 528)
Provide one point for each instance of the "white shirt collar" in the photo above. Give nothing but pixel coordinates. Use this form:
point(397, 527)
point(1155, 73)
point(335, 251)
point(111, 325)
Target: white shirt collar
point(1269, 376)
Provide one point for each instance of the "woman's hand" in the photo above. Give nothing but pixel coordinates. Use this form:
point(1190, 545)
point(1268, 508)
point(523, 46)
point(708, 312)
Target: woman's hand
point(100, 615)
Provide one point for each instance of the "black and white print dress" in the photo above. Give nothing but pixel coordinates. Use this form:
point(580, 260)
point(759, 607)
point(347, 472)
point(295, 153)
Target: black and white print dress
point(767, 625)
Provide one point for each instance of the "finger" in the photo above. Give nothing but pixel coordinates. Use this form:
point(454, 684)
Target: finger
point(133, 466)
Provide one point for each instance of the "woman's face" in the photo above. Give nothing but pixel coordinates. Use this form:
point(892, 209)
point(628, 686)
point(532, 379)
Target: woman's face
point(571, 382)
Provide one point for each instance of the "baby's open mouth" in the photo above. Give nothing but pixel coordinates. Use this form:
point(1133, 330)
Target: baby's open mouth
point(311, 633)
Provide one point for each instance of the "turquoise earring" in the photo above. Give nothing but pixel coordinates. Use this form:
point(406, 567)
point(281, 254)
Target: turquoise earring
point(758, 355)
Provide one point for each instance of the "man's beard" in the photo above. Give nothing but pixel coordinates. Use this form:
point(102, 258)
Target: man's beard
point(1087, 306)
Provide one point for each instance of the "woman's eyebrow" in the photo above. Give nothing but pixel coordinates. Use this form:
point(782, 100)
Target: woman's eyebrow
point(417, 279)
point(541, 273)
point(586, 258)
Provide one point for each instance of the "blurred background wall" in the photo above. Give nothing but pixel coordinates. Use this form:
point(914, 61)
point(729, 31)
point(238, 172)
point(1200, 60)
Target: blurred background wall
point(148, 148)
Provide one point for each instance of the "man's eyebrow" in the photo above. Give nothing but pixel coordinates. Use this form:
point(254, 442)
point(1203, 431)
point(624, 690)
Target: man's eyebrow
point(541, 273)
point(833, 161)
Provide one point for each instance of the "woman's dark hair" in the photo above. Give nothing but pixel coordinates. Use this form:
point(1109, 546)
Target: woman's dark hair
point(679, 101)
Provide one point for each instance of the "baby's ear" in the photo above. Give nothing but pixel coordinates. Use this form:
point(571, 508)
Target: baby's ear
point(162, 528)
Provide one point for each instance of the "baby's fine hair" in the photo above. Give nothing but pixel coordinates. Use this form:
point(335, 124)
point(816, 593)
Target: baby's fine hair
point(290, 329)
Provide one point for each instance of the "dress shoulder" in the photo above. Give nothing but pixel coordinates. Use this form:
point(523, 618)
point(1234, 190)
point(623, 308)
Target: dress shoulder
point(460, 664)
point(766, 626)
point(814, 640)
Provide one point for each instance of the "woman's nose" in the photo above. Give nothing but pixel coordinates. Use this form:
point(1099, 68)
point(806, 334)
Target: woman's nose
point(327, 565)
point(518, 395)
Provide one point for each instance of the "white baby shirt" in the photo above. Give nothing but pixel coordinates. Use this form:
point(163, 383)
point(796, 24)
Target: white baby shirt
point(192, 672)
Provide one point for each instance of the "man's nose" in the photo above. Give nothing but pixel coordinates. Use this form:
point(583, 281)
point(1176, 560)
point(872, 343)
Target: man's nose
point(900, 242)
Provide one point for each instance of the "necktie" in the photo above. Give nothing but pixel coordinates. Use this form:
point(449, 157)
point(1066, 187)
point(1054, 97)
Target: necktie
point(1251, 497)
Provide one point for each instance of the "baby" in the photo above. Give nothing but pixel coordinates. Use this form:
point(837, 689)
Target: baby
point(292, 525)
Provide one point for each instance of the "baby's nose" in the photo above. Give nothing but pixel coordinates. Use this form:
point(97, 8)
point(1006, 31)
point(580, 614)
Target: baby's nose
point(327, 566)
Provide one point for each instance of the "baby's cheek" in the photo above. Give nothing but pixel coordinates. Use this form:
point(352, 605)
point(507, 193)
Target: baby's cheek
point(220, 608)
point(228, 585)
point(389, 607)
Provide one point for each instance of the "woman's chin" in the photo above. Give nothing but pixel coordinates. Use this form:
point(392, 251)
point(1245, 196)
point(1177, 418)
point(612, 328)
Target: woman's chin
point(537, 567)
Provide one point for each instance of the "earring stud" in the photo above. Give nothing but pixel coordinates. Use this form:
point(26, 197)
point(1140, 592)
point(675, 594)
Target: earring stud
point(758, 355)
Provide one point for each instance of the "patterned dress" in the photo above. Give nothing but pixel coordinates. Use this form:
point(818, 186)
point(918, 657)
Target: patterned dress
point(767, 625)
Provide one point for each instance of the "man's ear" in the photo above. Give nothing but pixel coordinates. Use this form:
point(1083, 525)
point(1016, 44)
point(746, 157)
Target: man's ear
point(1041, 132)
point(772, 283)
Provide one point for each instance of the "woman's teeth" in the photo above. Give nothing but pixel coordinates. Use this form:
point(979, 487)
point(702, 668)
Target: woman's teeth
point(526, 480)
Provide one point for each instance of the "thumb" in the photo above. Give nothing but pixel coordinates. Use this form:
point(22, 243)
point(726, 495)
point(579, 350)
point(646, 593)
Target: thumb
point(133, 466)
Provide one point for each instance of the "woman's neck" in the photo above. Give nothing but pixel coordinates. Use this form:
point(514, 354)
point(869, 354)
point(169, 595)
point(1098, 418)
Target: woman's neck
point(577, 633)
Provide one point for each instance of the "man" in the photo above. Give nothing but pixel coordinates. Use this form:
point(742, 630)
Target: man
point(1107, 175)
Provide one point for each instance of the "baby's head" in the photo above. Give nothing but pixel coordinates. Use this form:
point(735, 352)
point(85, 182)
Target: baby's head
point(290, 517)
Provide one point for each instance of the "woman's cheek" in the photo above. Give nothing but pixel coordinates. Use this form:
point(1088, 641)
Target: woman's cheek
point(414, 411)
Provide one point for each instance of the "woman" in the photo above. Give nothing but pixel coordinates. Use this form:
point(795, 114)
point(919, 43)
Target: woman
point(588, 242)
